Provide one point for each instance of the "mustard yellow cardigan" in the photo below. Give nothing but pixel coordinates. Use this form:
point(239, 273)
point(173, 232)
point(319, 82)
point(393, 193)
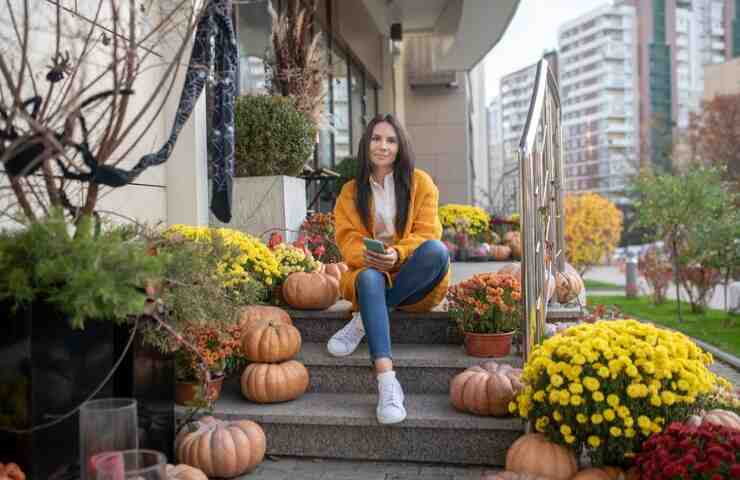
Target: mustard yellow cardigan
point(423, 224)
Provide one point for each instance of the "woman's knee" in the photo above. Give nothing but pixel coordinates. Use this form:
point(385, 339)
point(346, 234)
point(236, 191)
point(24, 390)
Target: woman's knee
point(435, 252)
point(369, 279)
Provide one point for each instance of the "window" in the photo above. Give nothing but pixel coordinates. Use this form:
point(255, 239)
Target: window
point(357, 107)
point(254, 26)
point(340, 104)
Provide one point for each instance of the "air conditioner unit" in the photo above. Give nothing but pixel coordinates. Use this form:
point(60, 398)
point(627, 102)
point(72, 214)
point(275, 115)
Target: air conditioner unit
point(420, 51)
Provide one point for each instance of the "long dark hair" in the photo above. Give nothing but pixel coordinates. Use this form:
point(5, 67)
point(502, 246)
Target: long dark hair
point(403, 171)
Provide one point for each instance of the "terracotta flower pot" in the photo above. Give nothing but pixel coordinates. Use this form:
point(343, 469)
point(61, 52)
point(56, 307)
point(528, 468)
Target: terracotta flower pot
point(488, 344)
point(185, 391)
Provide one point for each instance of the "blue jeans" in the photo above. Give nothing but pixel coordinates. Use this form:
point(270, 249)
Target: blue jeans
point(418, 276)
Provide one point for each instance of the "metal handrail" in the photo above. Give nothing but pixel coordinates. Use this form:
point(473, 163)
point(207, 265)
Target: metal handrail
point(540, 156)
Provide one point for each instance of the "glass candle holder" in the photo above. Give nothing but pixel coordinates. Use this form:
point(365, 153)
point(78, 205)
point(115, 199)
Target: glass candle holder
point(106, 425)
point(131, 465)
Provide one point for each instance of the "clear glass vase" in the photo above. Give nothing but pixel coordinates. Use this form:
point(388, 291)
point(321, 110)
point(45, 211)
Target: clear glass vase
point(131, 465)
point(106, 425)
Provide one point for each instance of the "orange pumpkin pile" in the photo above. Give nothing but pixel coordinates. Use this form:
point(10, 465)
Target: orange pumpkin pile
point(486, 389)
point(314, 290)
point(513, 240)
point(11, 471)
point(270, 341)
point(220, 448)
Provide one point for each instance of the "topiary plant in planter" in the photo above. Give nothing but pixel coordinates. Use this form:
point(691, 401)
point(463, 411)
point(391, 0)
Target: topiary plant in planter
point(272, 136)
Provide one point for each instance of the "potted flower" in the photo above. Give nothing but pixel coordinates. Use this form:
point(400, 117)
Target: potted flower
point(466, 221)
point(487, 309)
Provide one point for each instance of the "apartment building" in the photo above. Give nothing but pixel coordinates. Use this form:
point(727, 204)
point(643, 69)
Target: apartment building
point(678, 39)
point(600, 98)
point(495, 155)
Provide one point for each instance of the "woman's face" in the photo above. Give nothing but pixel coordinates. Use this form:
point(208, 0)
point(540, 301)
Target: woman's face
point(383, 145)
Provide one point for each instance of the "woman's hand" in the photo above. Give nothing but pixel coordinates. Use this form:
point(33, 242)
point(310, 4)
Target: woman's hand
point(381, 261)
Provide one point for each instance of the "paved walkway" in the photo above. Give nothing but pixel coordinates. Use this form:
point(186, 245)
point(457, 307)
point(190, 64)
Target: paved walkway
point(292, 468)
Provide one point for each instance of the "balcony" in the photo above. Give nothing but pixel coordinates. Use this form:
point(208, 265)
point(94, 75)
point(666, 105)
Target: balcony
point(619, 142)
point(615, 82)
point(612, 51)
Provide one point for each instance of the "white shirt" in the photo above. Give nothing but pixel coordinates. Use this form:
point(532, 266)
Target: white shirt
point(384, 201)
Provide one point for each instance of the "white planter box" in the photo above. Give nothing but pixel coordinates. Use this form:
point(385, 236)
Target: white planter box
point(262, 203)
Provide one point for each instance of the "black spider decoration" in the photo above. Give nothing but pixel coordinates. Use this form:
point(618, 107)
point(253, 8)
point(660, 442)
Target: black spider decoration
point(24, 158)
point(59, 67)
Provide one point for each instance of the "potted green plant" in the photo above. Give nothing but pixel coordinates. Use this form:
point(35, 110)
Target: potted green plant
point(487, 310)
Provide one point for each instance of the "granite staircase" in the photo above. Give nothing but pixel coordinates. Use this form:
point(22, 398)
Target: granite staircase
point(336, 417)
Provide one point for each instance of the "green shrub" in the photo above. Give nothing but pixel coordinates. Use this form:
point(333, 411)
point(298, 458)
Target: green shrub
point(272, 136)
point(347, 169)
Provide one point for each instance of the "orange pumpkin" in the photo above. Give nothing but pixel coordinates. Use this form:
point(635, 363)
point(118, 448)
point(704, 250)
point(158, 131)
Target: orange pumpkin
point(533, 453)
point(486, 389)
point(11, 471)
point(221, 448)
point(718, 416)
point(568, 284)
point(252, 313)
point(500, 252)
point(310, 291)
point(513, 476)
point(184, 472)
point(274, 382)
point(603, 473)
point(512, 236)
point(269, 342)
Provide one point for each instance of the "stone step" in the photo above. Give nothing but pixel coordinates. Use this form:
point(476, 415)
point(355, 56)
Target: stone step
point(425, 328)
point(329, 425)
point(420, 368)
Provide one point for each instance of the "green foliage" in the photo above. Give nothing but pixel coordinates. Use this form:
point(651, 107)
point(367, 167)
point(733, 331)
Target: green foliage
point(86, 274)
point(272, 136)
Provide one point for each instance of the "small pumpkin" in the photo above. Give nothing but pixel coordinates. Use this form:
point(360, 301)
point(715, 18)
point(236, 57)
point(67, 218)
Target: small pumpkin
point(310, 291)
point(335, 270)
point(513, 476)
point(11, 471)
point(221, 448)
point(274, 382)
point(252, 313)
point(717, 416)
point(568, 284)
point(486, 389)
point(500, 252)
point(512, 236)
point(184, 472)
point(603, 473)
point(268, 342)
point(533, 453)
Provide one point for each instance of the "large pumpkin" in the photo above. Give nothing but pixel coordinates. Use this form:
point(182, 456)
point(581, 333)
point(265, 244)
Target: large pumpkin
point(274, 382)
point(268, 342)
point(310, 291)
point(513, 476)
point(184, 472)
point(720, 417)
point(11, 471)
point(252, 313)
point(486, 389)
point(221, 448)
point(568, 284)
point(603, 473)
point(533, 453)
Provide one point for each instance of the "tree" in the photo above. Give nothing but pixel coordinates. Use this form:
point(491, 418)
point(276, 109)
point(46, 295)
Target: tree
point(593, 226)
point(714, 136)
point(676, 207)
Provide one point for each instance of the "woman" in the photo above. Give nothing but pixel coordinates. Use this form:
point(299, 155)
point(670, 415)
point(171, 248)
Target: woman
point(392, 202)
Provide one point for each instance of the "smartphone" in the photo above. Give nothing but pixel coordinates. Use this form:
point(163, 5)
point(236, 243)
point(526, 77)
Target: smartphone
point(374, 245)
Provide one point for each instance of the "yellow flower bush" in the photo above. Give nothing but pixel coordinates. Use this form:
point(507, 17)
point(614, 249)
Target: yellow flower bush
point(593, 226)
point(464, 218)
point(255, 260)
point(292, 259)
point(606, 387)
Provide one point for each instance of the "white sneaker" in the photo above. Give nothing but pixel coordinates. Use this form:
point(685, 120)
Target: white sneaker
point(390, 399)
point(345, 341)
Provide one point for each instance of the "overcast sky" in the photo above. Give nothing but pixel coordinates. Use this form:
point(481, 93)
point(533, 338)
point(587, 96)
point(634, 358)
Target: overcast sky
point(533, 29)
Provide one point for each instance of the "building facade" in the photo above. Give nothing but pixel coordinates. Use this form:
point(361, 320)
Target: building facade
point(495, 156)
point(599, 93)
